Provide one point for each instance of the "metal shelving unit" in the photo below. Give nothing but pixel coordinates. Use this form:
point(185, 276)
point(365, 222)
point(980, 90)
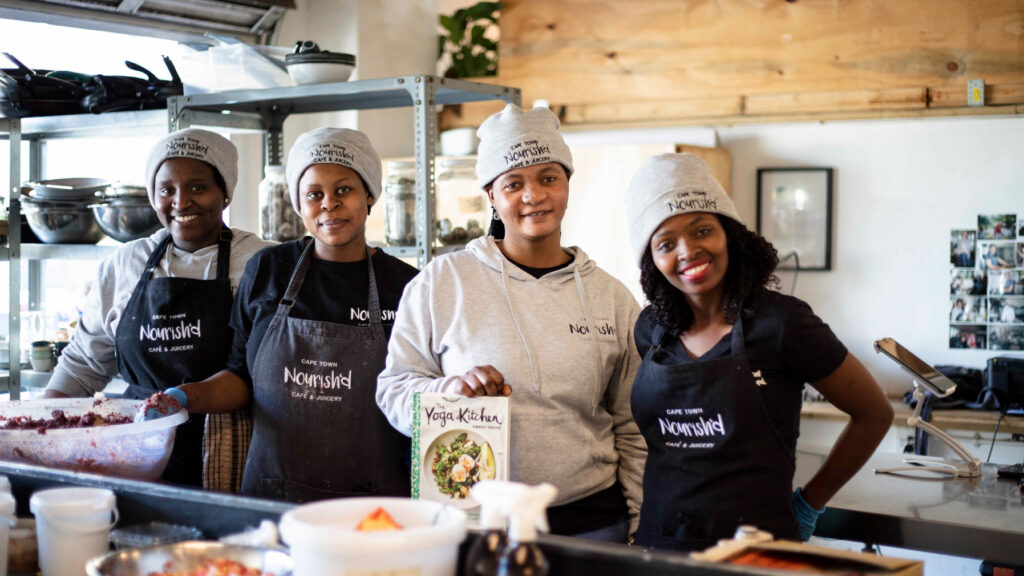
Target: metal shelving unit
point(257, 110)
point(266, 110)
point(36, 131)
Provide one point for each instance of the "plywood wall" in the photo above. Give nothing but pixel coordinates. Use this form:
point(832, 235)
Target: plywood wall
point(615, 61)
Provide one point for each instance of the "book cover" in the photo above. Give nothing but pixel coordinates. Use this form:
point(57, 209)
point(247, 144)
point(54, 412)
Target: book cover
point(456, 442)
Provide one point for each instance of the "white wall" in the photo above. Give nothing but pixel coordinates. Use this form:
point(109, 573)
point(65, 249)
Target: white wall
point(900, 186)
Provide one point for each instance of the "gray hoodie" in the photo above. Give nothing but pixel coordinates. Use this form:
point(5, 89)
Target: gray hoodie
point(563, 342)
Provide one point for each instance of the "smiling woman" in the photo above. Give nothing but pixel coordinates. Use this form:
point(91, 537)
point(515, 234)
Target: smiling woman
point(725, 355)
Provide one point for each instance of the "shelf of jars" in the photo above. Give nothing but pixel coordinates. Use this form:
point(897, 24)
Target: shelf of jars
point(461, 210)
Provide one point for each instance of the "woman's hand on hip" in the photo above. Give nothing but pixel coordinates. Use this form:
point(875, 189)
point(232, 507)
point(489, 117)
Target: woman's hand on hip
point(481, 381)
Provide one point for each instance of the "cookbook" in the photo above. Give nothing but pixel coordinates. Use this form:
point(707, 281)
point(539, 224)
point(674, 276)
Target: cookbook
point(456, 442)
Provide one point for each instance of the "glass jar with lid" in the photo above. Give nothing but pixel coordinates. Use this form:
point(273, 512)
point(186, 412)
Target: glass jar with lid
point(463, 211)
point(400, 203)
point(278, 220)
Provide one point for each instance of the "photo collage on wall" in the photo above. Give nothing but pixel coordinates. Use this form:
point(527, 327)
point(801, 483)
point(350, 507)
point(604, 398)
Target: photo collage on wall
point(986, 290)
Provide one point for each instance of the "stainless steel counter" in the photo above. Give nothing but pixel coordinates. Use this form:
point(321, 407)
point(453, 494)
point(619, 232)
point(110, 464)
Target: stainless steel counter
point(970, 517)
point(217, 515)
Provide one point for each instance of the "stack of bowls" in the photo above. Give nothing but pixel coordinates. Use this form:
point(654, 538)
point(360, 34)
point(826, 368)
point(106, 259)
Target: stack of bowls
point(125, 213)
point(319, 67)
point(59, 211)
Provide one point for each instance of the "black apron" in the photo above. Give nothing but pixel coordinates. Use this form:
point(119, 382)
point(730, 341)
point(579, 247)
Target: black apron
point(176, 330)
point(318, 432)
point(715, 459)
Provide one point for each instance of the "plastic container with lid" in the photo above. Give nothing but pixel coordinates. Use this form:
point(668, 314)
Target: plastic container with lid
point(462, 207)
point(138, 450)
point(278, 219)
point(72, 526)
point(400, 203)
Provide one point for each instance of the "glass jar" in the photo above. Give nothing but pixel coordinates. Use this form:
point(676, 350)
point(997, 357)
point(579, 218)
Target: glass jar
point(400, 203)
point(462, 207)
point(278, 219)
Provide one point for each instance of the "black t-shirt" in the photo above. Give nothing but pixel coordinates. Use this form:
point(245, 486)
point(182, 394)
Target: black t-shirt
point(332, 292)
point(539, 272)
point(784, 339)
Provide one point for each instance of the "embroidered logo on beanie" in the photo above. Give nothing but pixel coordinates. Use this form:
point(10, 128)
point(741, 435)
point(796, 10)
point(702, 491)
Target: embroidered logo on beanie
point(526, 154)
point(331, 153)
point(186, 147)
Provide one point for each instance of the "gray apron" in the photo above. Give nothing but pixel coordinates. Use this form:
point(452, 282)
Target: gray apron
point(318, 432)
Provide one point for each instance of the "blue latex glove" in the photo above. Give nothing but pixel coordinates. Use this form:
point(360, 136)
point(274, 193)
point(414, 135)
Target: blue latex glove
point(162, 409)
point(806, 516)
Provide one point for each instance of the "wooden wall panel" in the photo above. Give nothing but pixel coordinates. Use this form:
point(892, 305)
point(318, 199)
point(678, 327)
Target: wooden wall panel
point(718, 159)
point(769, 56)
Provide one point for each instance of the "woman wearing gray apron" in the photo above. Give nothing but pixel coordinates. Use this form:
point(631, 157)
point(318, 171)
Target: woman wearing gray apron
point(717, 396)
point(160, 309)
point(312, 320)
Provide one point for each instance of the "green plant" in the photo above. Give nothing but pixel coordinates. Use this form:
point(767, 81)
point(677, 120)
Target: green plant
point(472, 53)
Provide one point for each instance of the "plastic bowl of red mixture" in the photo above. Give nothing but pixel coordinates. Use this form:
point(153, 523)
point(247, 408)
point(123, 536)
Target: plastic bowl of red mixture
point(97, 436)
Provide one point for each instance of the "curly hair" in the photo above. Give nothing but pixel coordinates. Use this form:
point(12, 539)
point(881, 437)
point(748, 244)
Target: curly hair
point(752, 262)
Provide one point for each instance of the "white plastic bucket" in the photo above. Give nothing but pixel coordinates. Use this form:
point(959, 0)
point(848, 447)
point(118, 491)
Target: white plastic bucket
point(324, 541)
point(7, 519)
point(72, 526)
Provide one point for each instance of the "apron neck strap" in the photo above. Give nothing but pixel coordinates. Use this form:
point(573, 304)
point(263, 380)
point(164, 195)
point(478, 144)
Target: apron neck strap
point(657, 338)
point(156, 256)
point(223, 254)
point(736, 345)
point(298, 275)
point(373, 306)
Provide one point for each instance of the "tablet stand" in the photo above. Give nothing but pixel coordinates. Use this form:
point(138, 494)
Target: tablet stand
point(969, 468)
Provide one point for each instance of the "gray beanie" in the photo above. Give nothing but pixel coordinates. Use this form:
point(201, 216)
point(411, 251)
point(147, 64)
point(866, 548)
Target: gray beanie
point(209, 147)
point(515, 139)
point(668, 185)
point(349, 148)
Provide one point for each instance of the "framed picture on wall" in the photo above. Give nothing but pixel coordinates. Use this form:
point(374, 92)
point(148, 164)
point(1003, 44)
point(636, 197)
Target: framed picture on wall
point(794, 212)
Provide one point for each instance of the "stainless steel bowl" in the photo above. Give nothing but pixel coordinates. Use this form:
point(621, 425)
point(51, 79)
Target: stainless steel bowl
point(67, 189)
point(62, 222)
point(126, 218)
point(187, 556)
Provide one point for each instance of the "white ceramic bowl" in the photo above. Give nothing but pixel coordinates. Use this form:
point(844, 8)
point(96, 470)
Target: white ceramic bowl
point(320, 72)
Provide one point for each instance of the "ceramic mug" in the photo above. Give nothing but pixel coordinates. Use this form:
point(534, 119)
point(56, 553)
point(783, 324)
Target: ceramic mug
point(41, 356)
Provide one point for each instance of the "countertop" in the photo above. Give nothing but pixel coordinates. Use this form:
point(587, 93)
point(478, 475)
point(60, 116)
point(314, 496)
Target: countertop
point(970, 517)
point(958, 419)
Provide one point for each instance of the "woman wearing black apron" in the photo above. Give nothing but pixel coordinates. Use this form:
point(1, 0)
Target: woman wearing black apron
point(717, 396)
point(159, 312)
point(312, 320)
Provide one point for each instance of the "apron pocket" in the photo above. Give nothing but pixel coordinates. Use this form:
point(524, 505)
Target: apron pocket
point(283, 489)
